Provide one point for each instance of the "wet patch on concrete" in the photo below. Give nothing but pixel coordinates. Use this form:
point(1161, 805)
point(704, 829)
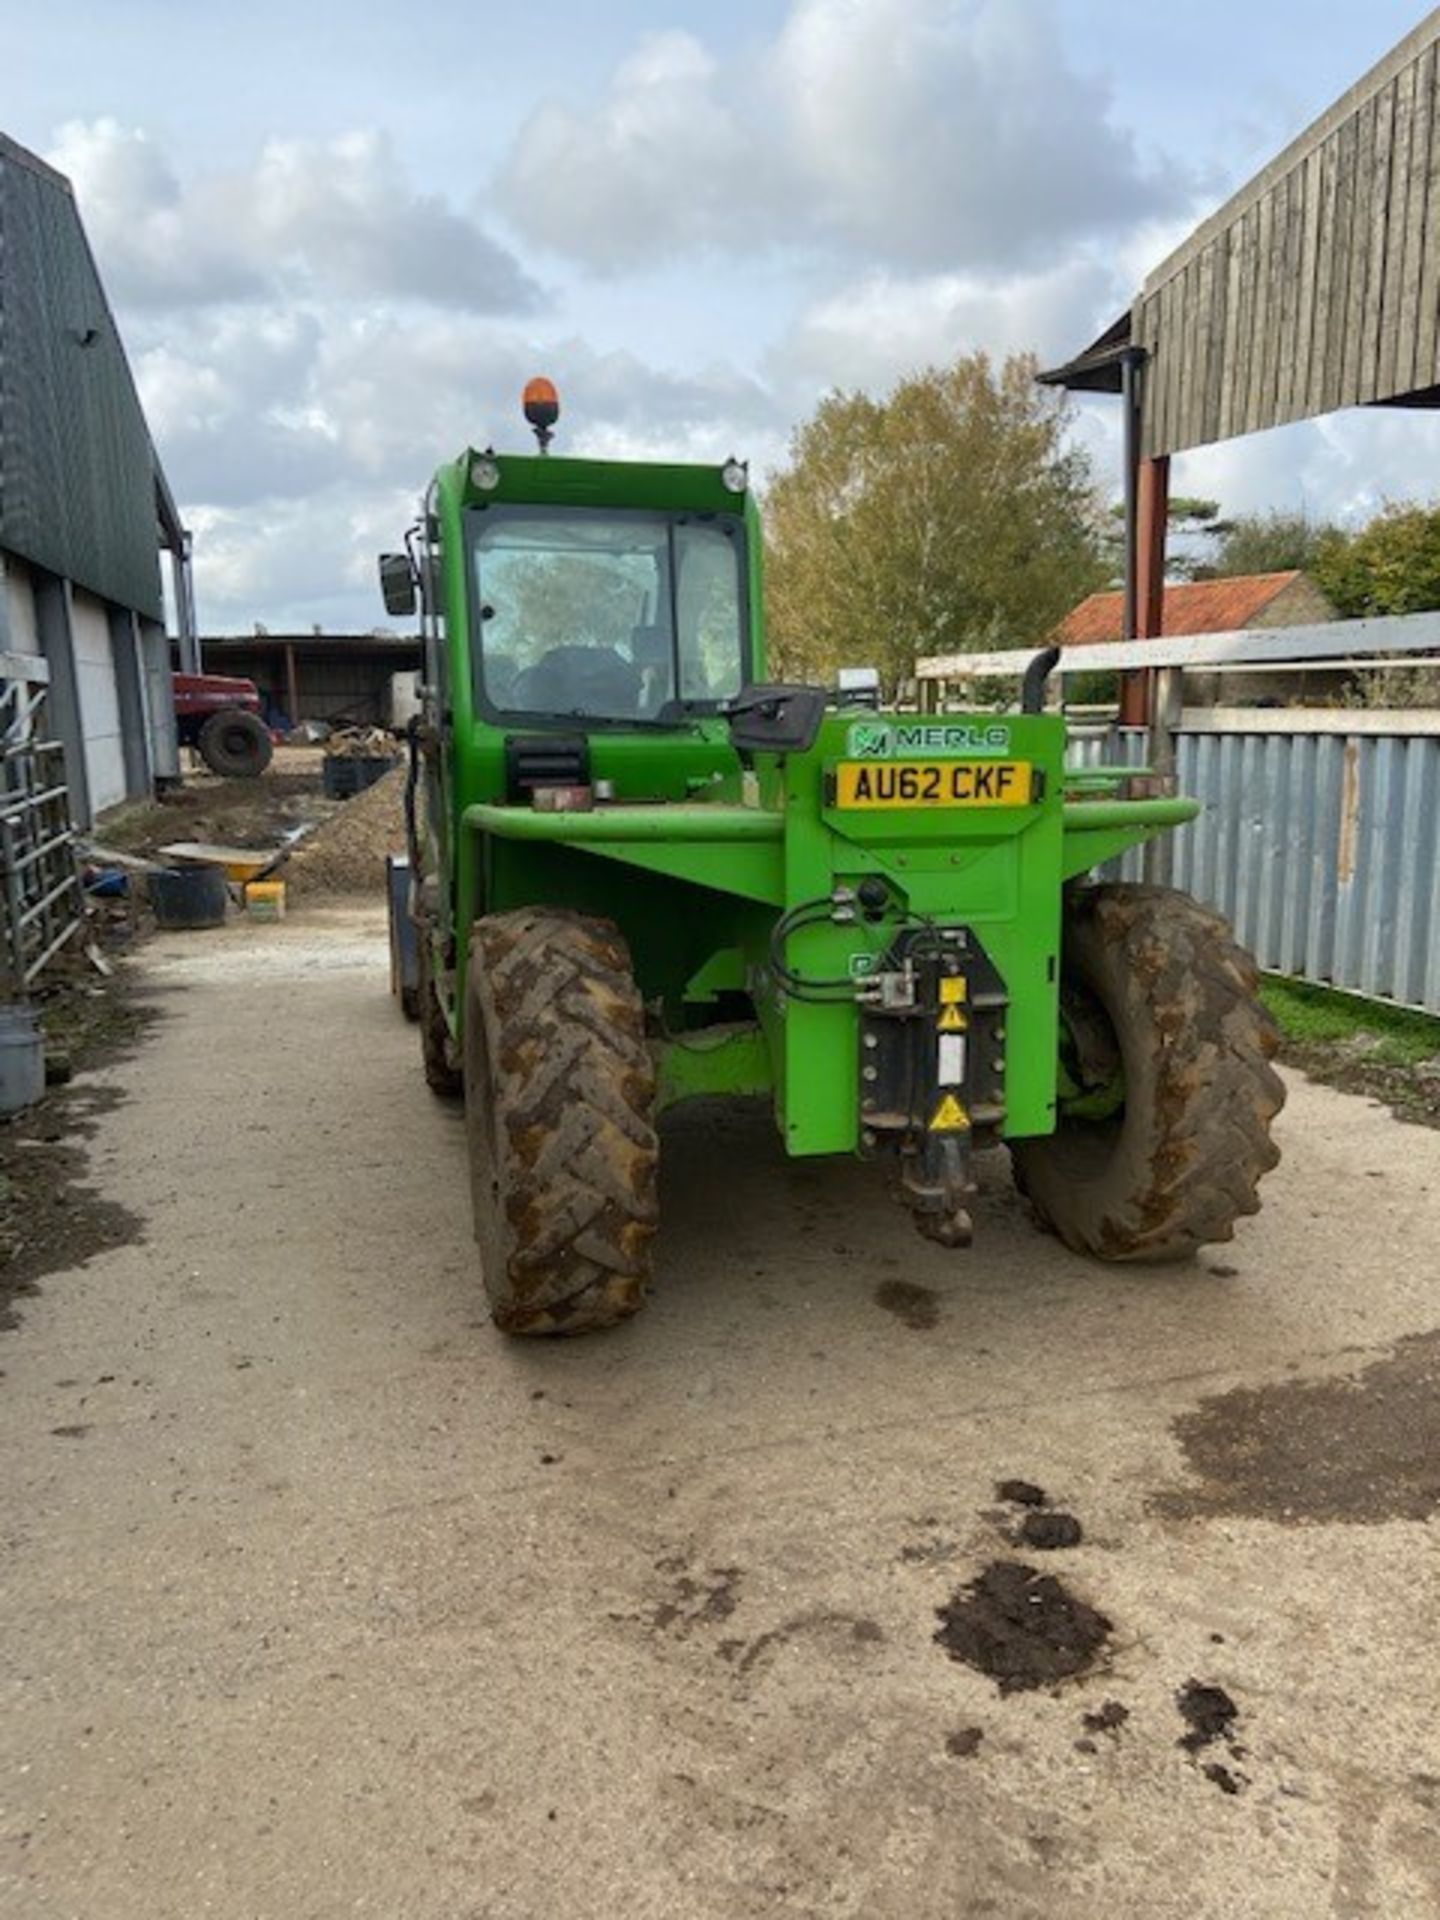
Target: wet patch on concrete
point(936, 1551)
point(964, 1743)
point(701, 1598)
point(1109, 1717)
point(1022, 1628)
point(916, 1306)
point(1362, 1448)
point(50, 1221)
point(841, 1632)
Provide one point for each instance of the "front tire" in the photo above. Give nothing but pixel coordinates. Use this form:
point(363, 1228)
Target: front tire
point(559, 1109)
point(1180, 1161)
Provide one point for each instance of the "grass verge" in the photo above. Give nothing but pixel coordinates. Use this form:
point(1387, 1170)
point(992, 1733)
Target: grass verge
point(1362, 1046)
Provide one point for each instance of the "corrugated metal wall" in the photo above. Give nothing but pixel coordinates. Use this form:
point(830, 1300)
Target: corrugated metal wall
point(1322, 850)
point(77, 479)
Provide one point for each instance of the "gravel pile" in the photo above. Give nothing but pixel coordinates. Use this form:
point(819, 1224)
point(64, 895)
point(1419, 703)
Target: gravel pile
point(347, 853)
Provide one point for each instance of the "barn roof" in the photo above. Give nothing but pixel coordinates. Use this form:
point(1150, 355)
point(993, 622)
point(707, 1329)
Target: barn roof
point(1315, 287)
point(1197, 606)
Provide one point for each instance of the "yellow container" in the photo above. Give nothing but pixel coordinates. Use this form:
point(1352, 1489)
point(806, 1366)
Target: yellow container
point(265, 899)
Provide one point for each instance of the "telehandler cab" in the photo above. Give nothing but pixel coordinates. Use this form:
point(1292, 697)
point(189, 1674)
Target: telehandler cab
point(640, 872)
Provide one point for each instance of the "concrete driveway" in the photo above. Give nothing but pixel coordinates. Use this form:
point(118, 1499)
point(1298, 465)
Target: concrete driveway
point(320, 1599)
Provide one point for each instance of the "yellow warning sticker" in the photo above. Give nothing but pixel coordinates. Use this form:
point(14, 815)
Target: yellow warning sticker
point(952, 1020)
point(952, 989)
point(949, 1116)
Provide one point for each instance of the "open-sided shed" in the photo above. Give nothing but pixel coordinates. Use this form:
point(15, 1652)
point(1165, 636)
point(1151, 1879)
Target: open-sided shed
point(1315, 287)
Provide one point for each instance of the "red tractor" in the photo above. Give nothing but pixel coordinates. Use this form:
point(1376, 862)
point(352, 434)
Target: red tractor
point(220, 717)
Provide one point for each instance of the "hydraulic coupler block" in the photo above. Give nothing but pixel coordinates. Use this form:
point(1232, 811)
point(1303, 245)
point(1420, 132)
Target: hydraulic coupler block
point(932, 1069)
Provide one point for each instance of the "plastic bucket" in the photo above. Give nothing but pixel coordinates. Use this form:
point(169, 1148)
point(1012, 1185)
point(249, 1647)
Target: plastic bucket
point(189, 896)
point(22, 1058)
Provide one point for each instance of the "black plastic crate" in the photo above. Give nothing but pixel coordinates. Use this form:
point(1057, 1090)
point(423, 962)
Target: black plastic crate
point(347, 775)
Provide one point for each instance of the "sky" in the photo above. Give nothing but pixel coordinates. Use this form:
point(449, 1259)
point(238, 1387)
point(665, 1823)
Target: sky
point(339, 238)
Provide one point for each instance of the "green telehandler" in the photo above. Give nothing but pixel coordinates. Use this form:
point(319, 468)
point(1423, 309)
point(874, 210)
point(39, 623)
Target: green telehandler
point(640, 872)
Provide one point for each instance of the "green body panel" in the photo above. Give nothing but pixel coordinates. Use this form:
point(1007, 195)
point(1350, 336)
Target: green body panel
point(697, 856)
point(716, 1060)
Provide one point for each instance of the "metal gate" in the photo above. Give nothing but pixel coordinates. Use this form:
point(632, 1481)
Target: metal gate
point(43, 901)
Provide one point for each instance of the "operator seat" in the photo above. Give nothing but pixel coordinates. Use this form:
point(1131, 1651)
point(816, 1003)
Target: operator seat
point(585, 679)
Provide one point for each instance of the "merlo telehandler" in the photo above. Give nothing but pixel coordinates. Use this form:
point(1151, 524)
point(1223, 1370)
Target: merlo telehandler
point(641, 872)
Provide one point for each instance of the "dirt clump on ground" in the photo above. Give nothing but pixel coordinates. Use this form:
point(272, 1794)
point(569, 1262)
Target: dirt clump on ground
point(346, 854)
point(1023, 1628)
point(1208, 1713)
point(1270, 1452)
point(1021, 1493)
point(1047, 1531)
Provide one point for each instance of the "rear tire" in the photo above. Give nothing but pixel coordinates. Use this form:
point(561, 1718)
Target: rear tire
point(236, 744)
point(559, 1109)
point(1181, 1162)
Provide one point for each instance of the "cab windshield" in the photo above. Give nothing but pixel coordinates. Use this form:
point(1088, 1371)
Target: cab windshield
point(607, 616)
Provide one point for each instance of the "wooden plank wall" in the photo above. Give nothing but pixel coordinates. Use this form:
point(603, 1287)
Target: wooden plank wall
point(1318, 288)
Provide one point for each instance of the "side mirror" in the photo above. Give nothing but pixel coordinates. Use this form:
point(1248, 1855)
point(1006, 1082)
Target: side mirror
point(775, 719)
point(858, 687)
point(397, 583)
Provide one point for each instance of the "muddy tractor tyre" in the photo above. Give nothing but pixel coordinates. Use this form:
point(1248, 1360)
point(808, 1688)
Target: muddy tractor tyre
point(437, 1049)
point(559, 1109)
point(1158, 983)
point(236, 745)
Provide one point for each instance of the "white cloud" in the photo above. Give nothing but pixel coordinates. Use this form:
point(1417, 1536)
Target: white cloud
point(884, 326)
point(335, 217)
point(1345, 467)
point(303, 438)
point(918, 134)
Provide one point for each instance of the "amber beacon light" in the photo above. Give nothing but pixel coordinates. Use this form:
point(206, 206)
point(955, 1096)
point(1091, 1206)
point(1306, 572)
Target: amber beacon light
point(542, 409)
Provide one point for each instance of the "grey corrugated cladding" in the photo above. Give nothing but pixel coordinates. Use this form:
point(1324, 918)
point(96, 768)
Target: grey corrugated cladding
point(1322, 850)
point(77, 468)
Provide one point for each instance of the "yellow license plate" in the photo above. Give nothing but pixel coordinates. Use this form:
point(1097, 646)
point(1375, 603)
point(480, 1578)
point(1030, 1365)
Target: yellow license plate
point(933, 783)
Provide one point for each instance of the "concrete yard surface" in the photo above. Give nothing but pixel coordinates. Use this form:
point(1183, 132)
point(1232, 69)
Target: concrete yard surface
point(321, 1599)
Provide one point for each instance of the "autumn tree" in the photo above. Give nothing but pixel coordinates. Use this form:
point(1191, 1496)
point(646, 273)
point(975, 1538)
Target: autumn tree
point(951, 515)
point(1392, 565)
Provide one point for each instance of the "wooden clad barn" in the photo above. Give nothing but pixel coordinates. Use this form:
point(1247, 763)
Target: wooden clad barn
point(1315, 287)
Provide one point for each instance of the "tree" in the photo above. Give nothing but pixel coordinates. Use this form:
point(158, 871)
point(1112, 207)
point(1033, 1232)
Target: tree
point(1188, 517)
point(1390, 566)
point(950, 515)
point(1274, 542)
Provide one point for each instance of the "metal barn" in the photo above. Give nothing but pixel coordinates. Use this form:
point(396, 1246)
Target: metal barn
point(85, 510)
